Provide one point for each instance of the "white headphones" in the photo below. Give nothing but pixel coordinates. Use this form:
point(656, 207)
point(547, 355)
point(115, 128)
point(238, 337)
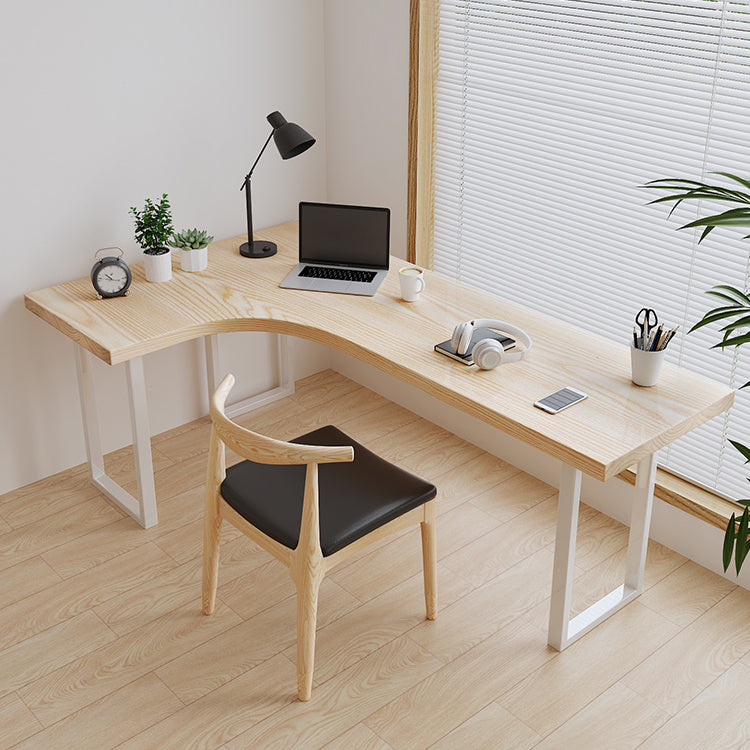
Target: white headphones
point(489, 353)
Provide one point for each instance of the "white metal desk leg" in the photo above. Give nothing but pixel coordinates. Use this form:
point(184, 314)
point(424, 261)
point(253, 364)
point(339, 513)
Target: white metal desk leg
point(144, 467)
point(565, 548)
point(89, 413)
point(143, 508)
point(213, 372)
point(562, 630)
point(640, 522)
point(286, 376)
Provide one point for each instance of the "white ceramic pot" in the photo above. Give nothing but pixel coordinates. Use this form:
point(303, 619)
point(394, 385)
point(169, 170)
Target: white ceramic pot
point(194, 259)
point(158, 267)
point(646, 366)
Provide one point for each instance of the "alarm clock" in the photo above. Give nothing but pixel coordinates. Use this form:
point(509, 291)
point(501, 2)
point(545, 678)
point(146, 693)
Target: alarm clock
point(110, 275)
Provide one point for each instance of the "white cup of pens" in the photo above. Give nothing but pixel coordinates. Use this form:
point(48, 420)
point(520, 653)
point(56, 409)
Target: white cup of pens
point(649, 347)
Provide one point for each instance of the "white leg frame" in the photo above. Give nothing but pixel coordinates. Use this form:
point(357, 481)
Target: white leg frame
point(562, 630)
point(286, 376)
point(142, 508)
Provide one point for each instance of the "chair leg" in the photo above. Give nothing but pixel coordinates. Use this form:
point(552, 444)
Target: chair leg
point(211, 540)
point(307, 620)
point(429, 558)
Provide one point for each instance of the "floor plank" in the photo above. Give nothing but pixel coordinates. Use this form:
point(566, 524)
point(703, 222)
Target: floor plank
point(16, 721)
point(25, 579)
point(699, 654)
point(344, 700)
point(492, 728)
point(418, 717)
point(110, 720)
point(76, 595)
point(619, 714)
point(719, 717)
point(90, 677)
point(596, 664)
point(28, 661)
point(225, 712)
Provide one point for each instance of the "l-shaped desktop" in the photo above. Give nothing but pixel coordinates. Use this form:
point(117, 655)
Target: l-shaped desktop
point(620, 425)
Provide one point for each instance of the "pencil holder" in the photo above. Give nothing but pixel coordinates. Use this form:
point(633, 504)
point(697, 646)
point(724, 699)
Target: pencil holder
point(645, 366)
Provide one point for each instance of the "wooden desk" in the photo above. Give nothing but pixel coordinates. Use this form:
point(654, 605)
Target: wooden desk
point(618, 426)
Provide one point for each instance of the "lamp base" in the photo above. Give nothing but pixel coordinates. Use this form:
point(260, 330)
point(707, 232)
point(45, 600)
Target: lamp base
point(257, 249)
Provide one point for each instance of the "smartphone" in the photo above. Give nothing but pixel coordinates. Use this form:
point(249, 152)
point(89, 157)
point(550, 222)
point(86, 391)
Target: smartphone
point(560, 400)
point(478, 334)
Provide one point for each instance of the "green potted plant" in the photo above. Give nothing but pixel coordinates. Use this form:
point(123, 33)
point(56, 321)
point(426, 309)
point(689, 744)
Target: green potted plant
point(153, 226)
point(733, 313)
point(193, 246)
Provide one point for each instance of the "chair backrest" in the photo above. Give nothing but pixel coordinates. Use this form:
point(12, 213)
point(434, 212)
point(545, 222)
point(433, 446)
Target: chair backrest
point(265, 450)
point(261, 449)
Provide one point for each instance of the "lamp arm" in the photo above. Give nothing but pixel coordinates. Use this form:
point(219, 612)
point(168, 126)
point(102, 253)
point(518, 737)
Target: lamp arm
point(250, 173)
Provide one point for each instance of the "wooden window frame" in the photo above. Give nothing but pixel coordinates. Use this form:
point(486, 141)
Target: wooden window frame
point(422, 74)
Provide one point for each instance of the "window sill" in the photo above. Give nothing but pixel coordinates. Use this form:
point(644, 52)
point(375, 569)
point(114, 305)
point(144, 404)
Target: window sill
point(689, 498)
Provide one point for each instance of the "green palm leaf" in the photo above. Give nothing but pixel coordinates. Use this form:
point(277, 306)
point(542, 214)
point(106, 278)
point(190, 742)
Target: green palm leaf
point(738, 295)
point(729, 542)
point(745, 183)
point(718, 314)
point(741, 323)
point(742, 547)
point(743, 449)
point(733, 341)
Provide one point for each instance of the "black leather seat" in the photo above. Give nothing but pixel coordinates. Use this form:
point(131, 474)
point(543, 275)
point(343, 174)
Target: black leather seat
point(355, 498)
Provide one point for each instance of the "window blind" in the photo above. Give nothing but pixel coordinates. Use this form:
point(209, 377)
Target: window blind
point(548, 116)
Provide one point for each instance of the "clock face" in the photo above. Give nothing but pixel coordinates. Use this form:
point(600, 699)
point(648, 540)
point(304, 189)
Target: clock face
point(111, 279)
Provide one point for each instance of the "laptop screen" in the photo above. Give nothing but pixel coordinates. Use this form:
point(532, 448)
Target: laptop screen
point(344, 235)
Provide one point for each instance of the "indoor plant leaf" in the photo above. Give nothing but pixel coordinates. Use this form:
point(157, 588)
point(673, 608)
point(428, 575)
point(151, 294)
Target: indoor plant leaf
point(741, 546)
point(736, 293)
point(733, 341)
point(731, 176)
point(719, 313)
point(743, 449)
point(729, 542)
point(743, 322)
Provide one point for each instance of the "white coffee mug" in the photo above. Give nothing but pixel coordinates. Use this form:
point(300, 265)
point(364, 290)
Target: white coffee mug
point(412, 283)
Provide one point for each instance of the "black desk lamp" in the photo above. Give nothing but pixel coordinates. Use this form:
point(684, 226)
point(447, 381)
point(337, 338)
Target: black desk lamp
point(291, 140)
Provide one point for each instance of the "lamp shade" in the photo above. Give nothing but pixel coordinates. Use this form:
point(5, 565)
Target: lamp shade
point(290, 139)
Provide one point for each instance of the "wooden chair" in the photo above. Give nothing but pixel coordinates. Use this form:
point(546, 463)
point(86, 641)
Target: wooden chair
point(309, 518)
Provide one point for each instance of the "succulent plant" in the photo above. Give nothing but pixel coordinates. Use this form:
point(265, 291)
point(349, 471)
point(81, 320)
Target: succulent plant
point(190, 239)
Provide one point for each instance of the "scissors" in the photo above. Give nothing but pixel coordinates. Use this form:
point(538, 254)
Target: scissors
point(646, 320)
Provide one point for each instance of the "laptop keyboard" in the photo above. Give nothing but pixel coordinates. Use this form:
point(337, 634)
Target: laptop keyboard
point(340, 274)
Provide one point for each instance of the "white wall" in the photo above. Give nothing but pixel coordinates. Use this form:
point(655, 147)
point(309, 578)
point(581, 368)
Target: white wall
point(104, 104)
point(367, 91)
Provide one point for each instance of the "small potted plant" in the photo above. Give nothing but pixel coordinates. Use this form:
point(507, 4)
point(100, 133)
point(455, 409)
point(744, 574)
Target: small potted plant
point(153, 225)
point(193, 246)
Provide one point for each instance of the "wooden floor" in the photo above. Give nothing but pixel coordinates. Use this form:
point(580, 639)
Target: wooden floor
point(102, 643)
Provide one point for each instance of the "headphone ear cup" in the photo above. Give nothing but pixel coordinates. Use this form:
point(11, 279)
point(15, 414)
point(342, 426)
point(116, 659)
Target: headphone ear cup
point(461, 337)
point(487, 354)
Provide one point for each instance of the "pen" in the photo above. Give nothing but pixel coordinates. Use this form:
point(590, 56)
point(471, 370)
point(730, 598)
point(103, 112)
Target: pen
point(669, 337)
point(655, 345)
point(635, 338)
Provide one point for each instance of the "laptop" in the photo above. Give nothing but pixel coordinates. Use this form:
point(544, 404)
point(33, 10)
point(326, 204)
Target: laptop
point(342, 249)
